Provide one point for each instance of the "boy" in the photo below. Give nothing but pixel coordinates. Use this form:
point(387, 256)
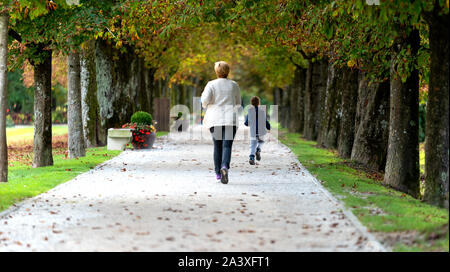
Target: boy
point(257, 121)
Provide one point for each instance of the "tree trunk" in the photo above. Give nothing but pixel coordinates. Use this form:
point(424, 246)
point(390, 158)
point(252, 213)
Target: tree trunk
point(42, 147)
point(310, 103)
point(74, 118)
point(119, 85)
point(142, 99)
point(316, 78)
point(285, 106)
point(371, 124)
point(301, 99)
point(349, 89)
point(319, 82)
point(331, 110)
point(437, 117)
point(402, 166)
point(92, 131)
point(276, 96)
point(4, 20)
point(296, 100)
point(150, 87)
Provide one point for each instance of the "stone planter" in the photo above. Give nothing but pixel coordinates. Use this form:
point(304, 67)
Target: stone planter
point(118, 138)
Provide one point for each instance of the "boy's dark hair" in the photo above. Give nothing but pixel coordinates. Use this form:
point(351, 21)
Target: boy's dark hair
point(255, 101)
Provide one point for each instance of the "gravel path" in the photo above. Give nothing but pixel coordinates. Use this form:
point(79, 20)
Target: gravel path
point(167, 199)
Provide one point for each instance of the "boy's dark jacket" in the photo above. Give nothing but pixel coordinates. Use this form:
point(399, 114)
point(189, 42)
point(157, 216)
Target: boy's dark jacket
point(257, 111)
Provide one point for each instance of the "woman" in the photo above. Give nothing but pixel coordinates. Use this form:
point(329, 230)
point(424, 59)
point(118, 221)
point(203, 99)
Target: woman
point(220, 98)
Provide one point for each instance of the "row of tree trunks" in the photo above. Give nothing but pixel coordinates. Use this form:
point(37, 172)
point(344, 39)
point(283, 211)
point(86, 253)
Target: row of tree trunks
point(4, 21)
point(337, 119)
point(354, 115)
point(371, 124)
point(437, 118)
point(74, 114)
point(338, 110)
point(376, 123)
point(402, 163)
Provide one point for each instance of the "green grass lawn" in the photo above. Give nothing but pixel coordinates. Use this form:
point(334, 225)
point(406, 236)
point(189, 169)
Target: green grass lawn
point(161, 133)
point(23, 134)
point(25, 181)
point(403, 222)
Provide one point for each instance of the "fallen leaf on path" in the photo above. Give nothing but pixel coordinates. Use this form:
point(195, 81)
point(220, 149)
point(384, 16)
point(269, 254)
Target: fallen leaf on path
point(246, 231)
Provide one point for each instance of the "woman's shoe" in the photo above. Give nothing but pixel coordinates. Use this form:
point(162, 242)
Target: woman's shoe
point(224, 177)
point(218, 176)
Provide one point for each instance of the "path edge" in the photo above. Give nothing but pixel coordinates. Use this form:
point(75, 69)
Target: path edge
point(14, 207)
point(347, 212)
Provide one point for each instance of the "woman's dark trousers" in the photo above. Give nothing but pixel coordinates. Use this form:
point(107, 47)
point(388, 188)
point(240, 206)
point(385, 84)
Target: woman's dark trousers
point(223, 137)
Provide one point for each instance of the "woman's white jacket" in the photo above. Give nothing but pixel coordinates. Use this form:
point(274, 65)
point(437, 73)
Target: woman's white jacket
point(222, 100)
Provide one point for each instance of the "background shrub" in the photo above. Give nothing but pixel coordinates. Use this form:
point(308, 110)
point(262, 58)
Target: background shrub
point(9, 121)
point(142, 117)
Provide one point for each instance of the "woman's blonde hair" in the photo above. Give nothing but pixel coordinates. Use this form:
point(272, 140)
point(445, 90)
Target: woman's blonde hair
point(222, 69)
